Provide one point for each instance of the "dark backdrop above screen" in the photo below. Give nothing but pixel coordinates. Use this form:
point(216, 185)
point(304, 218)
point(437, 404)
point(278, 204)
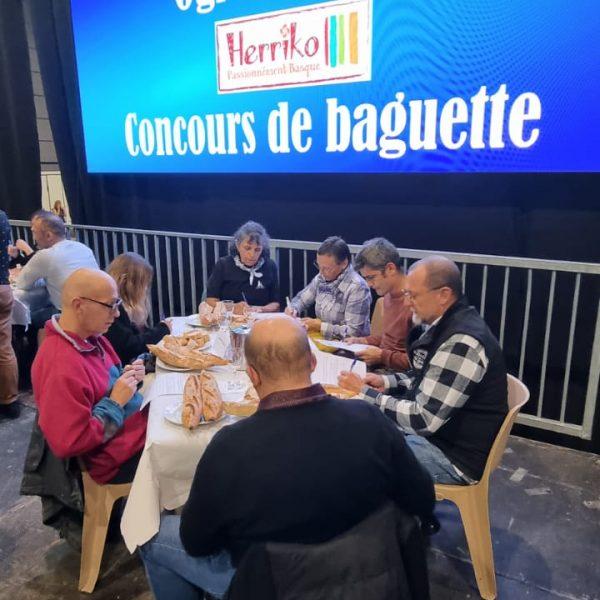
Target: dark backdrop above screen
point(345, 86)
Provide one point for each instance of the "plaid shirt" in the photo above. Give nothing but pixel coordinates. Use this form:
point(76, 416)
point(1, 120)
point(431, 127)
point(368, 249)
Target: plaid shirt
point(454, 371)
point(343, 305)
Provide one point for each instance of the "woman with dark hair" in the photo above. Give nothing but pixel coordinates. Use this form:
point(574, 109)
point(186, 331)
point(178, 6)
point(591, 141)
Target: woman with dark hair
point(130, 333)
point(341, 297)
point(247, 276)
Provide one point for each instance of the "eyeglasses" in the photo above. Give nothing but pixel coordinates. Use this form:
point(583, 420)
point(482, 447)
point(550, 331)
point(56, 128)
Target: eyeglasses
point(369, 278)
point(412, 296)
point(325, 269)
point(111, 306)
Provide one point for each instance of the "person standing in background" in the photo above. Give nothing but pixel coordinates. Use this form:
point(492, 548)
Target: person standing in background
point(9, 374)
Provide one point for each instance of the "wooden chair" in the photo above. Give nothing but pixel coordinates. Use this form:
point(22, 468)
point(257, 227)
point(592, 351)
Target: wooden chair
point(98, 504)
point(472, 500)
point(377, 318)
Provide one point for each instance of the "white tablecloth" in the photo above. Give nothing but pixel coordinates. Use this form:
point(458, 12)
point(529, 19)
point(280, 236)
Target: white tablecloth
point(168, 463)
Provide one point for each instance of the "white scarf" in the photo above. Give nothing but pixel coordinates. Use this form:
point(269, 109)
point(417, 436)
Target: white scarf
point(253, 271)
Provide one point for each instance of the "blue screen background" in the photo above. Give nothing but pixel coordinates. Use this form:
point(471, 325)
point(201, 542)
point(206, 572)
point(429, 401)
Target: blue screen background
point(149, 57)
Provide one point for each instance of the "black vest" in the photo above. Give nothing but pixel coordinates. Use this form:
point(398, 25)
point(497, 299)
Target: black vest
point(467, 437)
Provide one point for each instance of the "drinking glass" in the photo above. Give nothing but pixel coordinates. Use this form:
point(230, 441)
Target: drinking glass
point(228, 307)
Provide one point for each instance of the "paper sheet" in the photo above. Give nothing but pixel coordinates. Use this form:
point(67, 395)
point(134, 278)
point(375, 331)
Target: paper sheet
point(342, 345)
point(330, 366)
point(164, 385)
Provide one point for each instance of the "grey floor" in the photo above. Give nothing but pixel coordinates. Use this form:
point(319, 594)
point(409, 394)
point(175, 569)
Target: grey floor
point(545, 511)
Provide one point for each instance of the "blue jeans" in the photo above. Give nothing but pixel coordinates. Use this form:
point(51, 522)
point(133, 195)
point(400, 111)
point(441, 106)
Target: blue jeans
point(173, 573)
point(433, 460)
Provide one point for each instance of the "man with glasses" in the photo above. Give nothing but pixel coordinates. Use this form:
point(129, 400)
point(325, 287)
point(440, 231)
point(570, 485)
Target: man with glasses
point(341, 297)
point(380, 265)
point(453, 401)
point(88, 404)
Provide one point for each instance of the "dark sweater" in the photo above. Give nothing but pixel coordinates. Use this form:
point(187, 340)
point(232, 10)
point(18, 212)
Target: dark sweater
point(229, 282)
point(128, 341)
point(301, 473)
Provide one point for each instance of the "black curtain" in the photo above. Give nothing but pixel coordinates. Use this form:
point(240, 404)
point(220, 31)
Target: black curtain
point(20, 188)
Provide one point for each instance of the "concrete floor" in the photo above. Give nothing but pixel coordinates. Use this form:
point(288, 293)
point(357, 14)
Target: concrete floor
point(545, 512)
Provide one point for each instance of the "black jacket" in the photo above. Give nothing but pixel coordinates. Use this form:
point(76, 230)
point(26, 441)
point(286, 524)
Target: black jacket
point(381, 558)
point(128, 342)
point(56, 481)
point(467, 437)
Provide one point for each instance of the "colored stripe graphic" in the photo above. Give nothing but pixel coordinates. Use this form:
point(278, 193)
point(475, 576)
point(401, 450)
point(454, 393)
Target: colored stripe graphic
point(354, 38)
point(333, 40)
point(341, 40)
point(326, 41)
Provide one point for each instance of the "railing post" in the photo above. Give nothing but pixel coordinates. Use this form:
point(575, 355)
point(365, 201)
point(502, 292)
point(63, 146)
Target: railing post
point(591, 396)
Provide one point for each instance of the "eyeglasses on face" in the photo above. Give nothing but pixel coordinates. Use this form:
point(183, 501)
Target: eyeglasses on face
point(111, 306)
point(369, 278)
point(325, 269)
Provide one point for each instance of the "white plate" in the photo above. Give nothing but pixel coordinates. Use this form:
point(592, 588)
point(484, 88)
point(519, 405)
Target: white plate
point(172, 414)
point(194, 321)
point(166, 367)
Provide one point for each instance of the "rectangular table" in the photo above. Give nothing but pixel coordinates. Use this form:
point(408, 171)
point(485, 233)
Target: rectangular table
point(168, 463)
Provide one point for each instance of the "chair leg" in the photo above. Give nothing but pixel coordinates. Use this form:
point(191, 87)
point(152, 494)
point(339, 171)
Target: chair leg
point(95, 526)
point(475, 516)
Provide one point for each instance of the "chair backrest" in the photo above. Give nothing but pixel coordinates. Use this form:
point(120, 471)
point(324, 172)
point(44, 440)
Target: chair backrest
point(518, 394)
point(377, 318)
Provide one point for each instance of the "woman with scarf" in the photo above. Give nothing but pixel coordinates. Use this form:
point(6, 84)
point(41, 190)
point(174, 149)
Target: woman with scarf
point(247, 276)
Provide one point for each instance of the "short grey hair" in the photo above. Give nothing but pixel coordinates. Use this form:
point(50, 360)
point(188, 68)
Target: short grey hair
point(376, 254)
point(52, 223)
point(253, 232)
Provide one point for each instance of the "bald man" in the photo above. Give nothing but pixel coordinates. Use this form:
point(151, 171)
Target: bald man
point(88, 404)
point(454, 399)
point(303, 469)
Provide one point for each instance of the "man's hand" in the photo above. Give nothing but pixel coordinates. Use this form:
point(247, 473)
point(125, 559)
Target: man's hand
point(137, 368)
point(350, 381)
point(124, 387)
point(355, 340)
point(13, 251)
point(312, 324)
point(371, 355)
point(374, 381)
point(291, 312)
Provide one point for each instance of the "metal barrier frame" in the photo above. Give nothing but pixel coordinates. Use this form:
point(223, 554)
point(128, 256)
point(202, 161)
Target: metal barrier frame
point(107, 242)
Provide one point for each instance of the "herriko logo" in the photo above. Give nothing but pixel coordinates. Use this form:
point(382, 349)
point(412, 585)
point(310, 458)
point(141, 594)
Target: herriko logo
point(311, 45)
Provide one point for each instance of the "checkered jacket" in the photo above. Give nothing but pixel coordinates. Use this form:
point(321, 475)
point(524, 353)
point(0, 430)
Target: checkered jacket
point(343, 305)
point(450, 378)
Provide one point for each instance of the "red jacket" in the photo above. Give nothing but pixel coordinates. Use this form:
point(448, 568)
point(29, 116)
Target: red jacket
point(70, 376)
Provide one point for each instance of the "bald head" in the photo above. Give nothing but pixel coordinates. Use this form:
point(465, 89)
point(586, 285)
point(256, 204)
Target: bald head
point(278, 350)
point(439, 272)
point(91, 283)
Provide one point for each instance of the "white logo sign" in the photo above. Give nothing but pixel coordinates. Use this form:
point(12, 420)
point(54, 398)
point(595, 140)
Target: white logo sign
point(311, 45)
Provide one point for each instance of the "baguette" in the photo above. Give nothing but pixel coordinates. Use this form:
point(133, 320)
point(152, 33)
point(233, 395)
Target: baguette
point(191, 412)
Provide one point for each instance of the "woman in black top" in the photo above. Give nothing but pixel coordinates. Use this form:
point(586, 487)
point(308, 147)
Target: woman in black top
point(247, 276)
point(129, 333)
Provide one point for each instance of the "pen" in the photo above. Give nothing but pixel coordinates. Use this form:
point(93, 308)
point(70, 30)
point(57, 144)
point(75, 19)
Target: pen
point(244, 298)
point(352, 365)
point(288, 303)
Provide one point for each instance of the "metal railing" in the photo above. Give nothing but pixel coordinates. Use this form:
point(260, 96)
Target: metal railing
point(546, 314)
